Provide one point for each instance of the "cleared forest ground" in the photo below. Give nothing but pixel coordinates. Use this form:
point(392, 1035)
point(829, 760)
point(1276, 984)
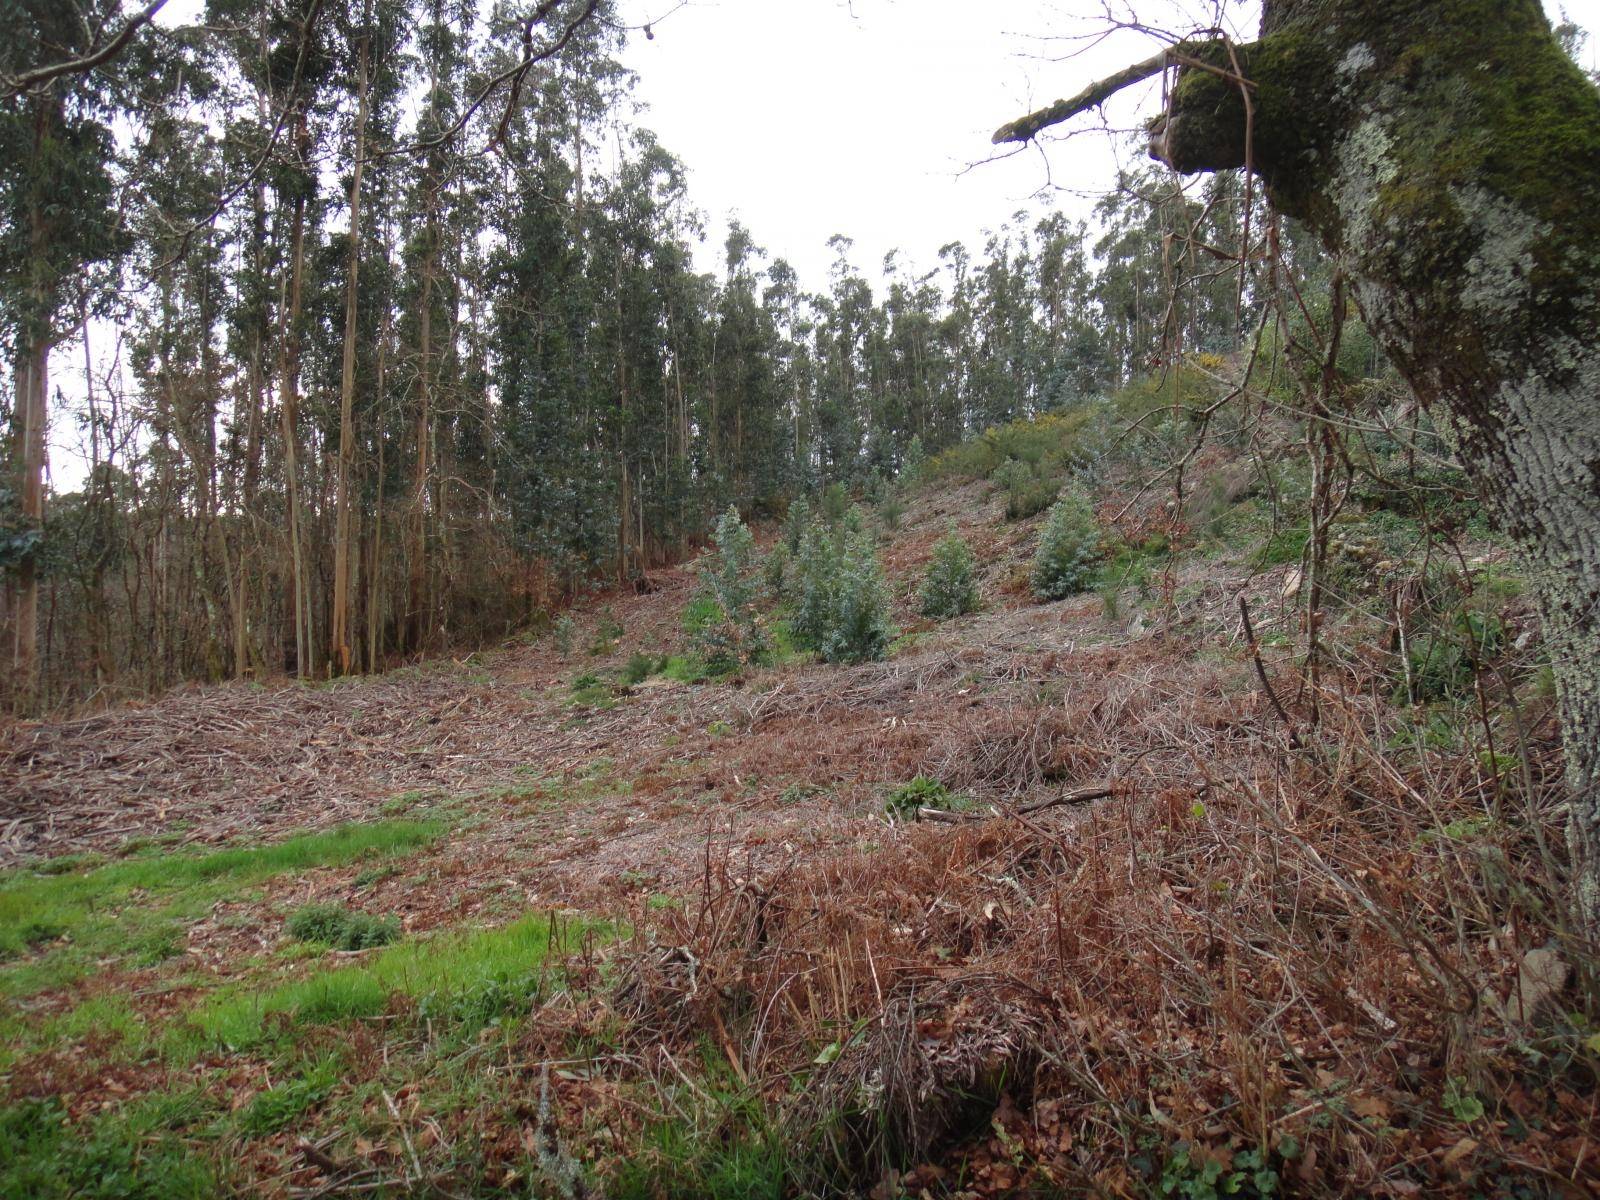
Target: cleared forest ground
point(659, 938)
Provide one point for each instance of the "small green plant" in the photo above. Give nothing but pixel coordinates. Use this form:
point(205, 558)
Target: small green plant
point(639, 668)
point(812, 588)
point(606, 635)
point(729, 632)
point(795, 524)
point(907, 800)
point(341, 928)
point(835, 503)
point(950, 587)
point(1026, 493)
point(859, 629)
point(1460, 1101)
point(890, 509)
point(1204, 1177)
point(1064, 564)
point(911, 465)
point(564, 630)
point(775, 570)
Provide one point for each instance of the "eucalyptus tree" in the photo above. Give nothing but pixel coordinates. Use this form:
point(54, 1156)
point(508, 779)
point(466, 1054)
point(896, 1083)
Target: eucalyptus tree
point(58, 219)
point(1447, 156)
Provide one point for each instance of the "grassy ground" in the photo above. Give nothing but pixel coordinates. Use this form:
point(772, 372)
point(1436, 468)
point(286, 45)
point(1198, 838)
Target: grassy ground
point(607, 923)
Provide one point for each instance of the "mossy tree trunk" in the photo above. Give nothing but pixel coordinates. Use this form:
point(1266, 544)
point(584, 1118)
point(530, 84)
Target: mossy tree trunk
point(1448, 153)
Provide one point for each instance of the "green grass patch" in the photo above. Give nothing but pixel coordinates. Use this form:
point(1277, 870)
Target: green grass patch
point(493, 969)
point(133, 1153)
point(136, 909)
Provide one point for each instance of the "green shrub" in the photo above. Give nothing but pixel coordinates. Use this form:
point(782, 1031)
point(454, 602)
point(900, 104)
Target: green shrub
point(859, 629)
point(640, 667)
point(775, 570)
point(910, 798)
point(606, 635)
point(890, 509)
point(1026, 493)
point(915, 459)
point(563, 631)
point(835, 503)
point(812, 588)
point(732, 635)
point(795, 525)
point(1064, 564)
point(341, 928)
point(950, 588)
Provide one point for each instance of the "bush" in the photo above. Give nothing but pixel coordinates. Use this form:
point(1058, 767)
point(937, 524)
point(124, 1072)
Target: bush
point(775, 570)
point(859, 629)
point(729, 634)
point(950, 587)
point(812, 588)
point(795, 525)
point(1064, 564)
point(907, 800)
point(841, 603)
point(563, 631)
point(640, 667)
point(341, 928)
point(1026, 494)
point(915, 459)
point(835, 503)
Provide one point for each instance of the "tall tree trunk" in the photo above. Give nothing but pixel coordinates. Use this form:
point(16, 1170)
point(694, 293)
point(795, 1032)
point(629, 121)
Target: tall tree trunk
point(417, 552)
point(340, 646)
point(33, 384)
point(1448, 154)
point(289, 422)
point(29, 416)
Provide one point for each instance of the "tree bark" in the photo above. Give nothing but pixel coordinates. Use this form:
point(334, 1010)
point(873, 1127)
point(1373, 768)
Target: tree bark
point(1448, 154)
point(340, 648)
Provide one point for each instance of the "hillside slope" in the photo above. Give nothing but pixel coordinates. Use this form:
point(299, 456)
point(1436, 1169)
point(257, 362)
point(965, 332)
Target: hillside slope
point(1159, 936)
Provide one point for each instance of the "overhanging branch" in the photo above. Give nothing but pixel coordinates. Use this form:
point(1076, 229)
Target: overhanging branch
point(40, 76)
point(1028, 127)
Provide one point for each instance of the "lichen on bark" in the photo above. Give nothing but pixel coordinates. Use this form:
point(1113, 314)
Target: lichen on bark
point(1448, 153)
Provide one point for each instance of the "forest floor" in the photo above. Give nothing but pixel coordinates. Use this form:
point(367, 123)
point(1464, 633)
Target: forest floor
point(658, 937)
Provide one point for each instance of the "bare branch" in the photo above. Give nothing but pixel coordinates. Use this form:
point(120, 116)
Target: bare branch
point(1028, 127)
point(40, 76)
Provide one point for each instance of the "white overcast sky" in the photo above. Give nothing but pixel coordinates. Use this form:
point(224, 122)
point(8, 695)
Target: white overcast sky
point(814, 117)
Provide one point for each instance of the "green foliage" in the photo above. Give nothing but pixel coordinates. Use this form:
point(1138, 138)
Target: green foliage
point(286, 1102)
point(950, 588)
point(1069, 549)
point(131, 1153)
point(639, 668)
point(444, 966)
point(1049, 446)
point(716, 1141)
point(839, 599)
point(775, 570)
point(915, 460)
point(341, 928)
point(137, 907)
point(813, 588)
point(1026, 494)
point(795, 524)
point(727, 631)
point(922, 792)
point(1461, 1102)
point(1204, 1177)
point(858, 627)
point(835, 503)
point(606, 635)
point(564, 631)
